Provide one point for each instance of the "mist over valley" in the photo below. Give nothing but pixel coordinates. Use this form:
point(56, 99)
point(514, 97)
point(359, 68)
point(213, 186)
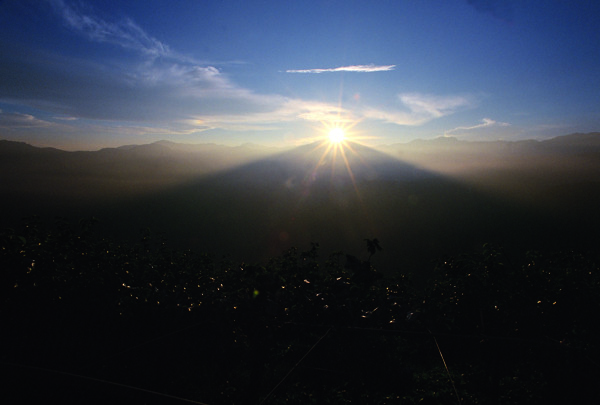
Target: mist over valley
point(422, 200)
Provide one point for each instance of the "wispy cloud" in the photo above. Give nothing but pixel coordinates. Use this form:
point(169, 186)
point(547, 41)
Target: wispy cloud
point(353, 68)
point(418, 108)
point(393, 117)
point(163, 92)
point(485, 123)
point(126, 33)
point(278, 110)
point(427, 106)
point(166, 87)
point(18, 120)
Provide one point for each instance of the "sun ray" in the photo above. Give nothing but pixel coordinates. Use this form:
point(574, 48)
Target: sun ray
point(337, 142)
point(350, 173)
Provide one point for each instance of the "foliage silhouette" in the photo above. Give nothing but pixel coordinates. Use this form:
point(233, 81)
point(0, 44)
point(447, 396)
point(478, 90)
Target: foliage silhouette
point(372, 247)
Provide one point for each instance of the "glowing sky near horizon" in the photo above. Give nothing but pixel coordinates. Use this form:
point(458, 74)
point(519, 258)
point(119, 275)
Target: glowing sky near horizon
point(87, 74)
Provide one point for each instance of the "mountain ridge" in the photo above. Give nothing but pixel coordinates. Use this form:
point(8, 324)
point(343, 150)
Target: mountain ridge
point(591, 139)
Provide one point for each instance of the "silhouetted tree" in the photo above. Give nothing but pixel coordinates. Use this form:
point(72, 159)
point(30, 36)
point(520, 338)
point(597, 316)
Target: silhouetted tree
point(373, 247)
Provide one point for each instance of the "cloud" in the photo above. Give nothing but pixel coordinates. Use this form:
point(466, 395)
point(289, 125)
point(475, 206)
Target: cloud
point(164, 92)
point(316, 111)
point(393, 117)
point(419, 108)
point(427, 106)
point(18, 120)
point(353, 68)
point(485, 123)
point(66, 118)
point(126, 33)
point(149, 92)
point(282, 110)
point(160, 88)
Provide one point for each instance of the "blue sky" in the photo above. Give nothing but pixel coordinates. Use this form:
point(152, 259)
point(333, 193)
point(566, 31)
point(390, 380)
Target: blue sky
point(80, 74)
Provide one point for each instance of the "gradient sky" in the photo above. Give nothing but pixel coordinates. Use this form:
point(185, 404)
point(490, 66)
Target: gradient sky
point(85, 74)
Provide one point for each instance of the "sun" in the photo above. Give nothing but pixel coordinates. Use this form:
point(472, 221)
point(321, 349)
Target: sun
point(337, 135)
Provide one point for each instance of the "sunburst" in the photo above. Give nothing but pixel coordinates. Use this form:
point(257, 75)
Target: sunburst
point(337, 135)
point(337, 141)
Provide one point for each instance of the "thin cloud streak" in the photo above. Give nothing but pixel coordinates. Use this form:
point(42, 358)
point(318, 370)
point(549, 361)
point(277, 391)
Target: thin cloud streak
point(485, 123)
point(354, 68)
point(9, 121)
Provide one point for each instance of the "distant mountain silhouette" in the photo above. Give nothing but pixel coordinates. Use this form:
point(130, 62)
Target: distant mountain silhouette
point(421, 200)
point(590, 140)
point(529, 171)
point(125, 170)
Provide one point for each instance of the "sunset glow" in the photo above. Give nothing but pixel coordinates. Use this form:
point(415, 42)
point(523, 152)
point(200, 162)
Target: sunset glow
point(82, 74)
